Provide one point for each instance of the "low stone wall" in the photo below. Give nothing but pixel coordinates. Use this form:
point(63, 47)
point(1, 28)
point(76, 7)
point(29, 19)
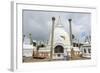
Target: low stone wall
point(42, 54)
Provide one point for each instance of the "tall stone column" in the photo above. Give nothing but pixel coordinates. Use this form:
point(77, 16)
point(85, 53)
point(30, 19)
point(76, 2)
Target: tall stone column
point(70, 31)
point(52, 37)
point(71, 44)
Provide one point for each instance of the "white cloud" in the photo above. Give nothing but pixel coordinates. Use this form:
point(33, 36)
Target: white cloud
point(39, 23)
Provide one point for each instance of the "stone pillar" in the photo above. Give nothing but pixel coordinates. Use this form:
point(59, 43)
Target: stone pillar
point(70, 31)
point(71, 44)
point(52, 37)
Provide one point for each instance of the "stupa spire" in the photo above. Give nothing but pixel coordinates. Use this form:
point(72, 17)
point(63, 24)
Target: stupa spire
point(59, 24)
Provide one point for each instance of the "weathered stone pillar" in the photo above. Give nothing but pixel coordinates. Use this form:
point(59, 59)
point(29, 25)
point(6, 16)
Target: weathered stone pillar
point(52, 37)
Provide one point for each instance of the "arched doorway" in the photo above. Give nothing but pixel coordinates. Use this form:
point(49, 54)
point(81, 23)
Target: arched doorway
point(58, 49)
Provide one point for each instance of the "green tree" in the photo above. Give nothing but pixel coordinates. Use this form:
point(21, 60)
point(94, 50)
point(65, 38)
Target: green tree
point(73, 36)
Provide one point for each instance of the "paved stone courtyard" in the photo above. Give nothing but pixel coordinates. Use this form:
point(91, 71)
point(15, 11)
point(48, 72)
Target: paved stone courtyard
point(30, 59)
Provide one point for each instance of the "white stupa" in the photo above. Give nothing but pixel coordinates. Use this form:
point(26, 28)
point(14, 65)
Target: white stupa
point(27, 47)
point(61, 41)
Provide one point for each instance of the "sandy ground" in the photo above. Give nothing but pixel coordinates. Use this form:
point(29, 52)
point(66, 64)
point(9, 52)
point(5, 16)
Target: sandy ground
point(30, 59)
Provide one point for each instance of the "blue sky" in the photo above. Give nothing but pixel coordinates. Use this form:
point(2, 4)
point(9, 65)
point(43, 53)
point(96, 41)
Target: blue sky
point(38, 23)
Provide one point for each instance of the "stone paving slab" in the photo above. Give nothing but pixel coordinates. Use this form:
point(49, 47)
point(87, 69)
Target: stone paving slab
point(30, 59)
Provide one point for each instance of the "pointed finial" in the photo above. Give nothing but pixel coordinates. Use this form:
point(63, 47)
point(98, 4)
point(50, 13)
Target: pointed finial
point(53, 18)
point(70, 19)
